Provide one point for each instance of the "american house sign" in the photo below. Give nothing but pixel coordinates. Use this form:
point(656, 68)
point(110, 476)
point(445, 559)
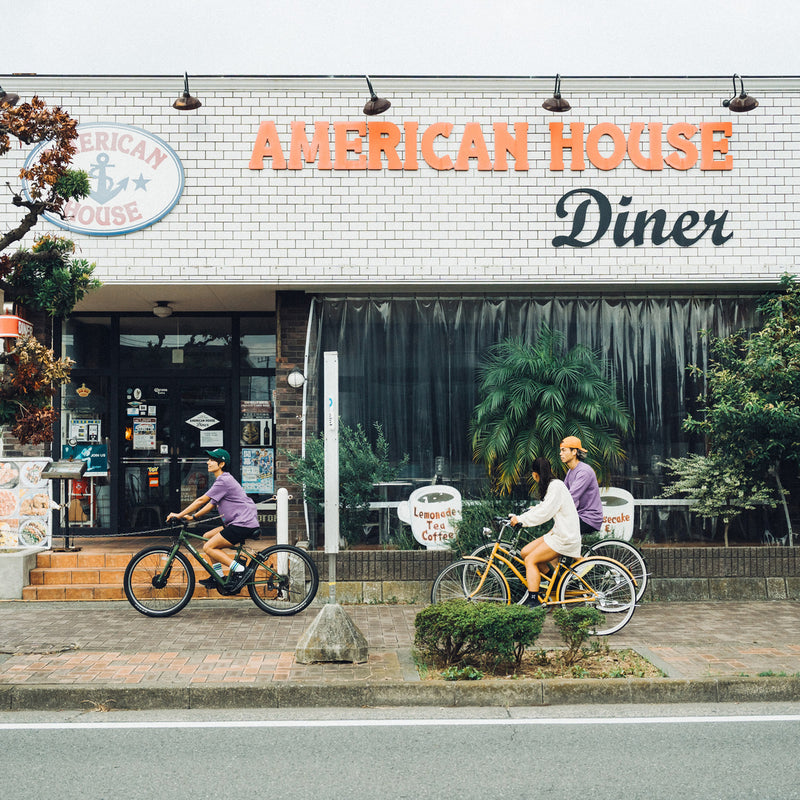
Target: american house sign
point(590, 215)
point(136, 180)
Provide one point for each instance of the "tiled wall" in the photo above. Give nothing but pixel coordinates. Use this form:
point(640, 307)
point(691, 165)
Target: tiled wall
point(367, 229)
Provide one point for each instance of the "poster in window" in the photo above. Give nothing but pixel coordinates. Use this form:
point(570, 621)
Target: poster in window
point(258, 470)
point(144, 433)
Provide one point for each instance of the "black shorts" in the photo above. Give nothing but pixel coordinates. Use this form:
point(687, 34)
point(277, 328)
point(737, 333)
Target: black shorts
point(236, 534)
point(587, 529)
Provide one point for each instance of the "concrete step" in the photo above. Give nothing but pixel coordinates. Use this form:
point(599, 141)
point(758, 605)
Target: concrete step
point(89, 575)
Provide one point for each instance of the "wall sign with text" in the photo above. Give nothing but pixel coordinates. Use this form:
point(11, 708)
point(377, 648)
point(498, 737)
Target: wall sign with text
point(652, 147)
point(136, 180)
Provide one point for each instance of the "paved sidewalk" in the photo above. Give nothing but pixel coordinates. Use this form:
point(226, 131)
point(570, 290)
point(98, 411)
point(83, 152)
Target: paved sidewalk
point(60, 646)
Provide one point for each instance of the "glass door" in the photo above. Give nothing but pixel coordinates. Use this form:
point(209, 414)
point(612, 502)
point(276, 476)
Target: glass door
point(167, 426)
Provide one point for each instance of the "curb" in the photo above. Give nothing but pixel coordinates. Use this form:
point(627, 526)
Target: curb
point(424, 693)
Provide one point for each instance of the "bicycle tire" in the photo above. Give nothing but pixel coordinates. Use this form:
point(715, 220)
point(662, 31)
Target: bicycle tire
point(464, 579)
point(156, 597)
point(606, 586)
point(627, 555)
point(517, 590)
point(285, 580)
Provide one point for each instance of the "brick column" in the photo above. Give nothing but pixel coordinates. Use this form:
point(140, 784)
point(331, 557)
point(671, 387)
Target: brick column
point(292, 321)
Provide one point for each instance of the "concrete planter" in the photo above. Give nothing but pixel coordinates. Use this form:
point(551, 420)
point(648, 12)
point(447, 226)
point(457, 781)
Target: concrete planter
point(15, 569)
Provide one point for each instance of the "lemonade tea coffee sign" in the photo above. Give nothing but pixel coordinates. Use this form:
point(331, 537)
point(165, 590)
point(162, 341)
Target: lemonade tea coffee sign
point(135, 178)
point(432, 512)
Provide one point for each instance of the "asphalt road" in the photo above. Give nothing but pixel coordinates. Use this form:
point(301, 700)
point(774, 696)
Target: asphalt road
point(618, 752)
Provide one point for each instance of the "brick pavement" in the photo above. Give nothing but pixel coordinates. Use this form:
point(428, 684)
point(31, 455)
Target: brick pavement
point(234, 643)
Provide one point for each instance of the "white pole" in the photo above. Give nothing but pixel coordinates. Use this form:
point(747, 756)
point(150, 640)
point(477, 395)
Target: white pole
point(331, 438)
point(282, 522)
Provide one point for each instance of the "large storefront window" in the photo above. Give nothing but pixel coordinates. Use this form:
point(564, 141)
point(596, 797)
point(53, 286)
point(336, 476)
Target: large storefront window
point(410, 364)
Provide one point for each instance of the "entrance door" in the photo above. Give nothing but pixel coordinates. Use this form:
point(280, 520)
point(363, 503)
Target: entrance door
point(167, 426)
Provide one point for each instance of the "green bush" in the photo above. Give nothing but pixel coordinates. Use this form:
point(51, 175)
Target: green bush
point(361, 465)
point(576, 626)
point(452, 632)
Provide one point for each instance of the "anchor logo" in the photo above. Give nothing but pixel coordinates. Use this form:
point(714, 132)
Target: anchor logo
point(105, 191)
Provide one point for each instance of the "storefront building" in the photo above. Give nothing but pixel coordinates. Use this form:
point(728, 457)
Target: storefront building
point(239, 241)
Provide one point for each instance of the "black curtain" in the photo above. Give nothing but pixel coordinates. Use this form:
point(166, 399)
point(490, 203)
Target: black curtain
point(409, 363)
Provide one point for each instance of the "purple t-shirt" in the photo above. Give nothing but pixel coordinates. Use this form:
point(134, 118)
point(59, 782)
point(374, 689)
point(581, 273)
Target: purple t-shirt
point(582, 484)
point(235, 507)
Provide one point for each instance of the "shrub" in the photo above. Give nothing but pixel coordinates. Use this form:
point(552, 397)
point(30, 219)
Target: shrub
point(361, 465)
point(575, 626)
point(448, 633)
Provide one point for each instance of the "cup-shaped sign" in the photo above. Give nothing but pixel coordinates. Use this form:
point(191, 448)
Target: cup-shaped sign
point(432, 512)
point(617, 514)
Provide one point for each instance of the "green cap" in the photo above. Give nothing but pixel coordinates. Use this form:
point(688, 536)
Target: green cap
point(220, 455)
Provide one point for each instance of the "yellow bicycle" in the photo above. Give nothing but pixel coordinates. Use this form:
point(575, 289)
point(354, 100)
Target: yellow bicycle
point(596, 581)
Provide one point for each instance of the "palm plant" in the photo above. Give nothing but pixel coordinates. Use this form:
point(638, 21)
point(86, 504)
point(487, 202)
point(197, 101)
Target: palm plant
point(533, 395)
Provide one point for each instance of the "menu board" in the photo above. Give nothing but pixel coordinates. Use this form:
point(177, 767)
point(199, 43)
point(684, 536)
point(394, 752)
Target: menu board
point(26, 502)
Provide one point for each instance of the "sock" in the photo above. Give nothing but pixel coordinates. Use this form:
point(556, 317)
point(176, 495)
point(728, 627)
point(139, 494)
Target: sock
point(236, 567)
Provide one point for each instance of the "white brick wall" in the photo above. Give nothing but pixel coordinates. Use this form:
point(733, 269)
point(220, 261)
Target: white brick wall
point(428, 230)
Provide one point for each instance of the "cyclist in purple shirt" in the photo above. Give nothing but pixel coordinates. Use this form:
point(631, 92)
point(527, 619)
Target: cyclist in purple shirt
point(582, 484)
point(238, 512)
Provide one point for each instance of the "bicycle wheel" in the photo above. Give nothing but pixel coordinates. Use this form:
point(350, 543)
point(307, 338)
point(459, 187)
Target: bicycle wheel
point(601, 584)
point(517, 590)
point(151, 590)
point(470, 580)
point(285, 580)
point(627, 555)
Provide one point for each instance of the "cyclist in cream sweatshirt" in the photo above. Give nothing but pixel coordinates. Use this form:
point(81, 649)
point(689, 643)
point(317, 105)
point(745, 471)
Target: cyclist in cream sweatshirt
point(564, 538)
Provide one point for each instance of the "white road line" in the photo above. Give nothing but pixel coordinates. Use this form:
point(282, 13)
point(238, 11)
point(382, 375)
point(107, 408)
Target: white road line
point(390, 723)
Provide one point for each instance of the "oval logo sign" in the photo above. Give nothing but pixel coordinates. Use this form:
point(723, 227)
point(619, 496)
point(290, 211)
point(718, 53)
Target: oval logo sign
point(136, 179)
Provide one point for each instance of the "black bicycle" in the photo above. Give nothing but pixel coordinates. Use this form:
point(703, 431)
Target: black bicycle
point(159, 580)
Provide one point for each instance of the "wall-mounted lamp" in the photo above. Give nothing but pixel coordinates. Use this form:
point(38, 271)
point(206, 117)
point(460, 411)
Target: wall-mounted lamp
point(186, 102)
point(162, 309)
point(556, 103)
point(296, 379)
point(375, 105)
point(740, 103)
point(8, 98)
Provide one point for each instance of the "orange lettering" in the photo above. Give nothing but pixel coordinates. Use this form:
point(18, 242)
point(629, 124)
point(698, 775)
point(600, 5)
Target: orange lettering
point(302, 150)
point(383, 138)
point(709, 145)
point(593, 149)
point(678, 136)
point(473, 145)
point(654, 162)
point(267, 145)
point(344, 145)
point(517, 145)
point(558, 143)
point(410, 129)
point(443, 129)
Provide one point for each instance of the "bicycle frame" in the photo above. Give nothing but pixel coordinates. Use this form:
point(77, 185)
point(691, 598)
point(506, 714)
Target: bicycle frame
point(184, 539)
point(554, 580)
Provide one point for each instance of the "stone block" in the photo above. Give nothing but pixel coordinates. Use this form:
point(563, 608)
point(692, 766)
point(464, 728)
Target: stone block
point(332, 637)
point(793, 588)
point(372, 592)
point(346, 591)
point(15, 570)
point(776, 589)
point(412, 592)
point(677, 589)
point(737, 589)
